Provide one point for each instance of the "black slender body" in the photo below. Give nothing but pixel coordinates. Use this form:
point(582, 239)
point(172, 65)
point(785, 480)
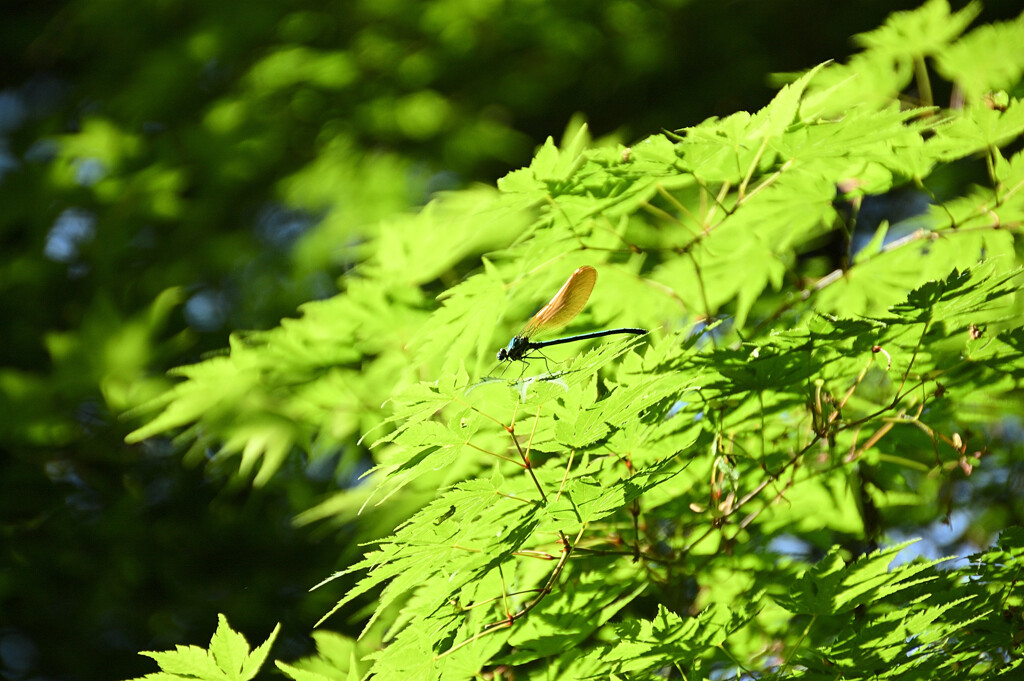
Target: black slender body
point(519, 346)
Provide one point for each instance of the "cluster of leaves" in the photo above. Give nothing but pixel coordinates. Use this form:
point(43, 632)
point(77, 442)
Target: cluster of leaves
point(169, 171)
point(706, 498)
point(864, 619)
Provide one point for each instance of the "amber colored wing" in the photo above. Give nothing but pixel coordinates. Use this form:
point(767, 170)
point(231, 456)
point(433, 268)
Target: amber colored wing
point(566, 304)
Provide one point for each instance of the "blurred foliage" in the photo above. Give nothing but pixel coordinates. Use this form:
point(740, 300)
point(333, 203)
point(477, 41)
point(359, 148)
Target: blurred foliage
point(172, 171)
point(711, 500)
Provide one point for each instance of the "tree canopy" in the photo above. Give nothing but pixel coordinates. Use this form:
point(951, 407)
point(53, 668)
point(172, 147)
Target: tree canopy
point(721, 496)
point(808, 467)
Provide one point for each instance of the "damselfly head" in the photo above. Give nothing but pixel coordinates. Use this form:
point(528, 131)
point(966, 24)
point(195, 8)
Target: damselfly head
point(515, 349)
